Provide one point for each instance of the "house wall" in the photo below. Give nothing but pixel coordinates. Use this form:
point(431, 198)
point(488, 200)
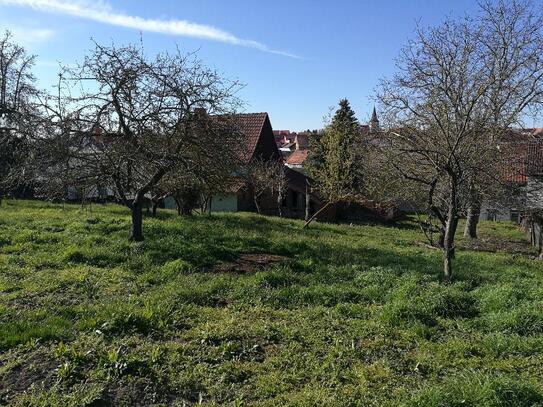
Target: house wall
point(169, 203)
point(495, 212)
point(534, 193)
point(293, 205)
point(224, 203)
point(91, 193)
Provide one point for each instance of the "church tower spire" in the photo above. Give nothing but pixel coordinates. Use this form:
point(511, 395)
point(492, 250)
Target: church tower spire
point(374, 121)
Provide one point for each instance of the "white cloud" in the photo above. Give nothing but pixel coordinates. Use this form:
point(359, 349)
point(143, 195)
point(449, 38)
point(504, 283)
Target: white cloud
point(101, 12)
point(30, 36)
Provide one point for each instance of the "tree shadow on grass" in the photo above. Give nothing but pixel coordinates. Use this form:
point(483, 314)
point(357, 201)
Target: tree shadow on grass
point(204, 241)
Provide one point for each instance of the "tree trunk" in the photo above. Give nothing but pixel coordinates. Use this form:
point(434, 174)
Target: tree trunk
point(450, 231)
point(203, 205)
point(255, 199)
point(280, 204)
point(306, 224)
point(136, 233)
point(307, 202)
point(448, 248)
point(539, 240)
point(178, 205)
point(472, 220)
point(82, 192)
point(186, 210)
point(154, 208)
point(441, 240)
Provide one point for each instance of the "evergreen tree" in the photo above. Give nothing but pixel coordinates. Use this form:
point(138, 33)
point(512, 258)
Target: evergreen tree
point(335, 161)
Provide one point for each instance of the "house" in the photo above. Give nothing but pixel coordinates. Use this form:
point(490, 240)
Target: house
point(284, 140)
point(261, 143)
point(297, 158)
point(522, 156)
point(345, 211)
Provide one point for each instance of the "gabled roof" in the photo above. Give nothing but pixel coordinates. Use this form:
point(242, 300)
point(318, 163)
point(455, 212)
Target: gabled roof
point(297, 157)
point(251, 125)
point(521, 160)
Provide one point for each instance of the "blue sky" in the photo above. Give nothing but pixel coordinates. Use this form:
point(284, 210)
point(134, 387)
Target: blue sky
point(297, 58)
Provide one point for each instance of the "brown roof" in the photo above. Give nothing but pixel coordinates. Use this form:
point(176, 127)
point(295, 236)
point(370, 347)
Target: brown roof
point(521, 160)
point(534, 158)
point(297, 157)
point(302, 141)
point(514, 162)
point(250, 124)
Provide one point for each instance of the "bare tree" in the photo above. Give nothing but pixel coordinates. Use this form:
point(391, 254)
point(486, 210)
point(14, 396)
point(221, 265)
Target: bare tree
point(184, 188)
point(458, 87)
point(126, 120)
point(279, 184)
point(17, 93)
point(265, 177)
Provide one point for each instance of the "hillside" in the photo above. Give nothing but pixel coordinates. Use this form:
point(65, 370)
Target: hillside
point(245, 310)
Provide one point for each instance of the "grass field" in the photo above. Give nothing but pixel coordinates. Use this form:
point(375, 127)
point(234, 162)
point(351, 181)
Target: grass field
point(352, 315)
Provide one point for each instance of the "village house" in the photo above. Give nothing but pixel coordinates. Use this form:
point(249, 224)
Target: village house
point(299, 146)
point(261, 143)
point(522, 152)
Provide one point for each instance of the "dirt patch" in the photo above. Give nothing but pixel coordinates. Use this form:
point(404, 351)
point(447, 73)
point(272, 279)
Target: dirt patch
point(498, 245)
point(36, 369)
point(249, 263)
point(491, 245)
point(136, 391)
point(47, 299)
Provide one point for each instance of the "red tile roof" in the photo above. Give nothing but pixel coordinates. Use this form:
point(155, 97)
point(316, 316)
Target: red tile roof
point(297, 157)
point(250, 124)
point(521, 160)
point(534, 158)
point(514, 162)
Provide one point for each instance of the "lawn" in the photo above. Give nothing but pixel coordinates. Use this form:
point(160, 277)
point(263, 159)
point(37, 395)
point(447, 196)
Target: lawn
point(342, 316)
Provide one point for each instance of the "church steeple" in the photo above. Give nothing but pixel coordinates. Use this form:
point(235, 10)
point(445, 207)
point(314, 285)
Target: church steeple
point(374, 122)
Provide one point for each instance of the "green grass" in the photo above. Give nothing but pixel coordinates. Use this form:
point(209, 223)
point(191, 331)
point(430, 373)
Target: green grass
point(356, 316)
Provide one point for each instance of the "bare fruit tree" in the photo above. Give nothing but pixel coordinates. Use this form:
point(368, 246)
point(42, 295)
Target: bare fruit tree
point(266, 177)
point(125, 120)
point(279, 184)
point(458, 87)
point(17, 93)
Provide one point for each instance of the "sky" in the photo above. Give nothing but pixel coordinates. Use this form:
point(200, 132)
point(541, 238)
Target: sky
point(296, 58)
